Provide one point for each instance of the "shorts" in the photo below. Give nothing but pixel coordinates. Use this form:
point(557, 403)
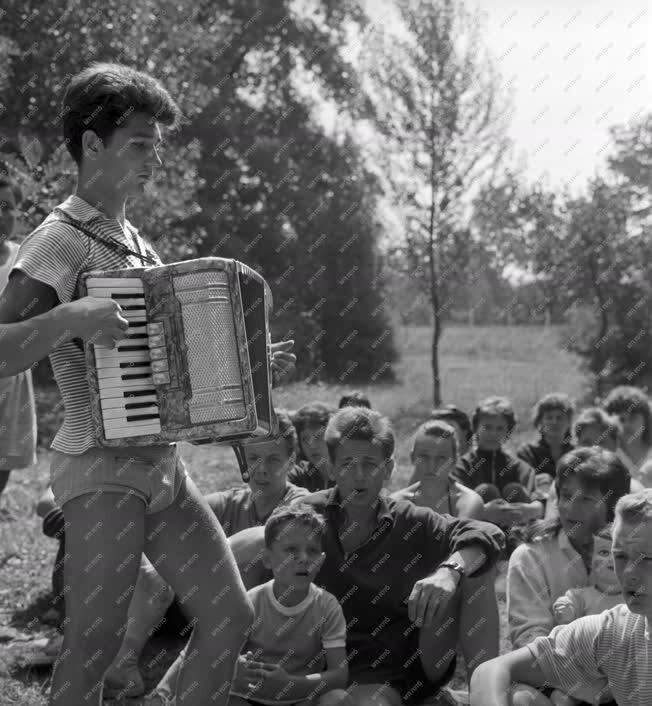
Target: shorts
point(154, 474)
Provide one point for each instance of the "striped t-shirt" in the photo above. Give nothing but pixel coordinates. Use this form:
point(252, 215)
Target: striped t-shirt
point(599, 653)
point(57, 254)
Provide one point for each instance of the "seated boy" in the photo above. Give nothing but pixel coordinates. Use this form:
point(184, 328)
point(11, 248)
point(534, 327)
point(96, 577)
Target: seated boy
point(460, 421)
point(295, 651)
point(505, 482)
point(606, 653)
point(593, 427)
point(552, 418)
point(313, 470)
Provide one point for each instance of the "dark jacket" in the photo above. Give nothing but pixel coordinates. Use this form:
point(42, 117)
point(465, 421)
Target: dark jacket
point(537, 454)
point(496, 467)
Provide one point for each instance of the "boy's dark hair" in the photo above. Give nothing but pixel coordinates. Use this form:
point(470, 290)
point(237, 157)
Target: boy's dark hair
point(439, 429)
point(6, 181)
point(596, 469)
point(293, 515)
point(316, 414)
point(354, 399)
point(554, 402)
point(359, 424)
point(101, 97)
point(596, 416)
point(494, 406)
point(452, 413)
point(631, 400)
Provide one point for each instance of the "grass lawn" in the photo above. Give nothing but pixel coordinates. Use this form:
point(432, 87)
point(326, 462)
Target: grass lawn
point(522, 363)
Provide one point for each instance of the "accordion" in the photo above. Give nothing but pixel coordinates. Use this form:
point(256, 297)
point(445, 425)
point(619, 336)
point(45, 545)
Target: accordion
point(194, 364)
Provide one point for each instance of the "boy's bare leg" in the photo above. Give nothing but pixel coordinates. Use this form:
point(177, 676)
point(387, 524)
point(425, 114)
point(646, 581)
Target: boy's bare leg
point(188, 547)
point(149, 602)
point(104, 541)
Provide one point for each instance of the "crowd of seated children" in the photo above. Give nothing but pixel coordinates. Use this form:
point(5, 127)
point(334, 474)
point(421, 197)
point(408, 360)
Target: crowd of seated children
point(632, 406)
point(433, 457)
point(396, 568)
point(504, 481)
point(552, 418)
point(605, 655)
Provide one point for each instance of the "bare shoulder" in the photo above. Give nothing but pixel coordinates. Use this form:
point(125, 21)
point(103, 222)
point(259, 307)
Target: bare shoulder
point(469, 503)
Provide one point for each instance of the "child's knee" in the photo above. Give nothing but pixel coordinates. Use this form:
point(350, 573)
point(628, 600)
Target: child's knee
point(488, 492)
point(524, 695)
point(516, 493)
point(335, 697)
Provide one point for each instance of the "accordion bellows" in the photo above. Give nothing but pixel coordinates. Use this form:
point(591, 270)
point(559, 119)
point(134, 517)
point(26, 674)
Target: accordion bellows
point(195, 363)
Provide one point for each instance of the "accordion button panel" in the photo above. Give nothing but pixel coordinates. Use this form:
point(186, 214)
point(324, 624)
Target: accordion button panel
point(125, 375)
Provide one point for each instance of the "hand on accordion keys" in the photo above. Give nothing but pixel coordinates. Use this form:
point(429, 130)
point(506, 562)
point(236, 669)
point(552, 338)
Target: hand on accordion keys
point(98, 320)
point(282, 362)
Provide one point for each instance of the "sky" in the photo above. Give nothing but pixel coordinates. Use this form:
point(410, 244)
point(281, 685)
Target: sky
point(574, 67)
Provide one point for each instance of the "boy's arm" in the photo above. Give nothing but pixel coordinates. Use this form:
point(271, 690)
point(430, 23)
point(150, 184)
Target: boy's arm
point(33, 323)
point(492, 681)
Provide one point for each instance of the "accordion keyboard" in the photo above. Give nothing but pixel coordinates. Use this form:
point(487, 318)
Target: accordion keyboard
point(126, 373)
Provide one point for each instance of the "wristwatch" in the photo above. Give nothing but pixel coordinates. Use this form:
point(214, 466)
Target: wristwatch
point(454, 566)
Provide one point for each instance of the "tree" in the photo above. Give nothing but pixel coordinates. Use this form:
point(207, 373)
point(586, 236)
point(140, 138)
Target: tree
point(442, 121)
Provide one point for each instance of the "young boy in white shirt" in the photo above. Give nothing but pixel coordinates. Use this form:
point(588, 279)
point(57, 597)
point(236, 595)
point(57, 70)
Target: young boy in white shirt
point(610, 651)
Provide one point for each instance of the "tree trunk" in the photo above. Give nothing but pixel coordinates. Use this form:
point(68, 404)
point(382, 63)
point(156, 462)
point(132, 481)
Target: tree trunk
point(436, 383)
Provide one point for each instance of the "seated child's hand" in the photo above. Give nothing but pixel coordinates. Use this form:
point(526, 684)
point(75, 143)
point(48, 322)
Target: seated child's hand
point(559, 698)
point(502, 513)
point(563, 611)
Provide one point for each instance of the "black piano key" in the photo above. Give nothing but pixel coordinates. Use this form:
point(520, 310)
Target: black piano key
point(123, 349)
point(138, 417)
point(139, 393)
point(139, 405)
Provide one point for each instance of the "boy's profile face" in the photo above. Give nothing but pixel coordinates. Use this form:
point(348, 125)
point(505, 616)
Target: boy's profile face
point(632, 551)
point(603, 572)
point(7, 213)
point(295, 556)
point(313, 445)
point(491, 432)
point(268, 463)
point(554, 424)
point(127, 159)
point(595, 435)
point(432, 456)
point(360, 471)
point(582, 510)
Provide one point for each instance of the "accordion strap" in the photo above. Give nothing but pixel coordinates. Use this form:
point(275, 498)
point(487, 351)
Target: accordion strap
point(107, 241)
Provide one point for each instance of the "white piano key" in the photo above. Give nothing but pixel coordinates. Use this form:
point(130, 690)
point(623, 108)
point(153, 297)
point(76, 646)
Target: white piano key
point(117, 423)
point(118, 382)
point(121, 402)
point(109, 392)
point(107, 357)
point(112, 371)
point(127, 431)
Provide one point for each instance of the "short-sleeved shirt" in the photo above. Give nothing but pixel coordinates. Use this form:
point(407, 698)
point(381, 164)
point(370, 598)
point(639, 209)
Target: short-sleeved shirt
point(235, 508)
point(57, 254)
point(374, 582)
point(294, 636)
point(606, 652)
point(497, 467)
point(307, 476)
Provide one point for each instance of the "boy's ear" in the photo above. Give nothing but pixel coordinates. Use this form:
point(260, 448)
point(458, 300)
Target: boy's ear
point(267, 560)
point(389, 467)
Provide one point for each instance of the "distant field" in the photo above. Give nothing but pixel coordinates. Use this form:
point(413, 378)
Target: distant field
point(522, 363)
